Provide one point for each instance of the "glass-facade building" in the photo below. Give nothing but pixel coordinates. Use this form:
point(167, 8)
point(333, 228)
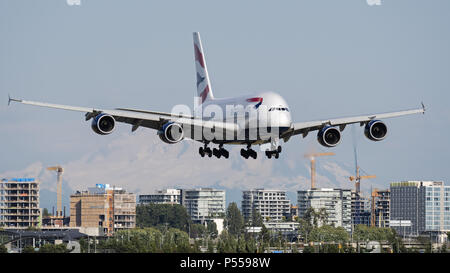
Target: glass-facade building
point(437, 208)
point(360, 209)
point(425, 203)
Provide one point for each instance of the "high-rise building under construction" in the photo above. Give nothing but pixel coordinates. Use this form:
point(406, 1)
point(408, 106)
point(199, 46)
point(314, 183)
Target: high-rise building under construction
point(105, 207)
point(19, 203)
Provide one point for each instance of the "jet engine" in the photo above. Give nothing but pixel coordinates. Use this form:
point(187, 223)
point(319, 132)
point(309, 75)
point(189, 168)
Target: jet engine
point(171, 133)
point(329, 136)
point(375, 130)
point(103, 124)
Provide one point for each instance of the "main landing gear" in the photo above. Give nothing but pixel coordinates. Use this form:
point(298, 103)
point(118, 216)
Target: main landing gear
point(245, 153)
point(275, 153)
point(248, 153)
point(216, 152)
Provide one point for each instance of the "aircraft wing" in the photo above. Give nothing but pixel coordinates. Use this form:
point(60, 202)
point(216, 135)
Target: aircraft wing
point(305, 127)
point(139, 118)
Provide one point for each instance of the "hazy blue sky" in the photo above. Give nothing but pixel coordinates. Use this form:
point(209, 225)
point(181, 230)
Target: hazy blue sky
point(327, 58)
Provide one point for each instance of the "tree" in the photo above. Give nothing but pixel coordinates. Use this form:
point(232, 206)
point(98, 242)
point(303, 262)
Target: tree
point(3, 249)
point(51, 248)
point(234, 220)
point(444, 248)
point(256, 219)
point(241, 245)
point(329, 233)
point(211, 228)
point(197, 231)
point(227, 243)
point(45, 213)
point(305, 229)
point(146, 240)
point(308, 249)
point(28, 249)
point(210, 246)
point(251, 245)
point(162, 216)
point(322, 216)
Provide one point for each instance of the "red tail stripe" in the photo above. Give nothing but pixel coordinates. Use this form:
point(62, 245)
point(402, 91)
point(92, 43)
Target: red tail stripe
point(199, 56)
point(204, 93)
point(255, 99)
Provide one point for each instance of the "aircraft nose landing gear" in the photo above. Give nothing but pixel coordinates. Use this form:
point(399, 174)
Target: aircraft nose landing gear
point(205, 151)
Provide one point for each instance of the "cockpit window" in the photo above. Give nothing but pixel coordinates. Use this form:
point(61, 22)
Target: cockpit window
point(278, 109)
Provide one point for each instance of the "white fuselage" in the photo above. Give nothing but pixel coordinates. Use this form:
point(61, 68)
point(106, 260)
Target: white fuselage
point(255, 114)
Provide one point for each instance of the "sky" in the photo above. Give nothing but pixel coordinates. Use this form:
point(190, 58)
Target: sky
point(328, 59)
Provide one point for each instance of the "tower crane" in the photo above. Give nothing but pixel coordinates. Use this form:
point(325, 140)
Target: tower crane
point(312, 157)
point(59, 170)
point(358, 178)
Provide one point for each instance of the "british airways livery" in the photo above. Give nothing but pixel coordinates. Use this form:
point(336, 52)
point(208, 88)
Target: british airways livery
point(259, 119)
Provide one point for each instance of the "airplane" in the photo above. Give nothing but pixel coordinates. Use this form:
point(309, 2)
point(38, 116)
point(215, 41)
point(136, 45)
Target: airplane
point(263, 119)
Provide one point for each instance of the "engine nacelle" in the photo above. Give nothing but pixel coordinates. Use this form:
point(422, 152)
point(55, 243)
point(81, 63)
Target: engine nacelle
point(103, 124)
point(171, 133)
point(375, 130)
point(329, 136)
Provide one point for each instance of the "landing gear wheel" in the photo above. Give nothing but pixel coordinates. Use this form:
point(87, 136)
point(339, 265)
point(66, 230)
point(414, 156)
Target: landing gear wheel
point(217, 153)
point(244, 153)
point(201, 151)
point(224, 153)
point(208, 151)
point(279, 149)
point(277, 155)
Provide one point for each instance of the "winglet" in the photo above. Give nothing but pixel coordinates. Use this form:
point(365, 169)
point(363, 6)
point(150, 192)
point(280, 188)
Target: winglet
point(11, 99)
point(423, 108)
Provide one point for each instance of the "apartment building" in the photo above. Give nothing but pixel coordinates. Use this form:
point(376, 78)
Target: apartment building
point(336, 202)
point(204, 204)
point(273, 205)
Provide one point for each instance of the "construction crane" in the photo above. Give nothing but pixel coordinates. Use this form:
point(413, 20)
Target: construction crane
point(59, 170)
point(312, 157)
point(358, 178)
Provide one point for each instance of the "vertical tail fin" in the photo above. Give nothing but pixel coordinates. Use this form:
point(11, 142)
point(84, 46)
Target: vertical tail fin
point(203, 84)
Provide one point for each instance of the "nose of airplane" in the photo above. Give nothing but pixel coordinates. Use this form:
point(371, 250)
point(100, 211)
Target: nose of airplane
point(280, 119)
point(285, 119)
